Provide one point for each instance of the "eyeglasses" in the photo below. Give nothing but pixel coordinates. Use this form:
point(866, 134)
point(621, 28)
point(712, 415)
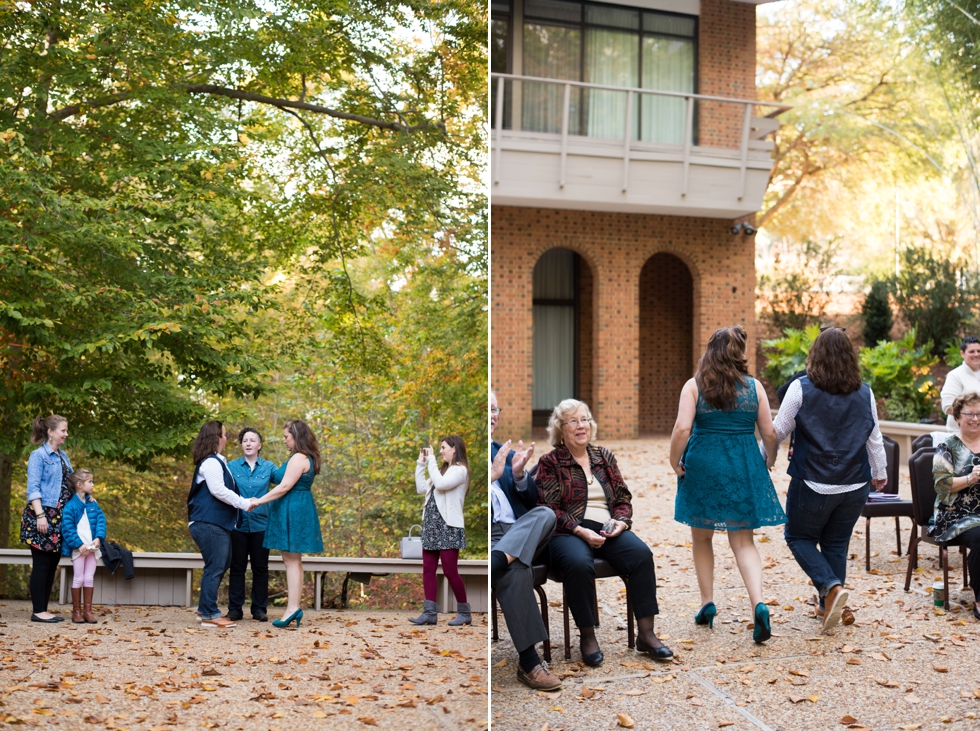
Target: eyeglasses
point(577, 422)
point(495, 410)
point(833, 327)
point(970, 416)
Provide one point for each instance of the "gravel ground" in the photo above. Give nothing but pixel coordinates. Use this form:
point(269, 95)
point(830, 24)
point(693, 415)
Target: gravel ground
point(155, 668)
point(902, 665)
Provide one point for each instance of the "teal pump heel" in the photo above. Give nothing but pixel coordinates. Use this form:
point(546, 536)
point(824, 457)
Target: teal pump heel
point(763, 627)
point(297, 615)
point(707, 615)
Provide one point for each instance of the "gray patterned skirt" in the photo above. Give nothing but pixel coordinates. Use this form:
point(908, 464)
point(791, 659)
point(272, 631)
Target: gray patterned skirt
point(436, 535)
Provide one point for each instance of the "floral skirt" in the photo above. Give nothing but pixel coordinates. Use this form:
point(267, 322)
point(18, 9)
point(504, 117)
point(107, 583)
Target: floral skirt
point(436, 535)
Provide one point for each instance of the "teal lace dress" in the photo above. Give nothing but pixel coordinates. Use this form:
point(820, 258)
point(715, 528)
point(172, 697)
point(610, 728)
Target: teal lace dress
point(726, 485)
point(294, 524)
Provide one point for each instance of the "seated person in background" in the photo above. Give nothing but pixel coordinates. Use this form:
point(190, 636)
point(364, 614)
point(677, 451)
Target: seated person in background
point(962, 379)
point(956, 470)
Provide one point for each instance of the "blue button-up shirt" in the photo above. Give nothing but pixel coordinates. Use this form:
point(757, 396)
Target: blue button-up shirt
point(44, 475)
point(253, 482)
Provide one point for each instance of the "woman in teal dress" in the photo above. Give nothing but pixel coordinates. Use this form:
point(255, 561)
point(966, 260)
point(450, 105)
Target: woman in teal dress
point(294, 524)
point(723, 482)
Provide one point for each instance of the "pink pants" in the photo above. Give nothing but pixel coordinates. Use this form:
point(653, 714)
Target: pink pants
point(84, 573)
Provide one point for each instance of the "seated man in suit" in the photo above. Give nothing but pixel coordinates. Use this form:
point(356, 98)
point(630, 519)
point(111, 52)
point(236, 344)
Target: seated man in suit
point(518, 530)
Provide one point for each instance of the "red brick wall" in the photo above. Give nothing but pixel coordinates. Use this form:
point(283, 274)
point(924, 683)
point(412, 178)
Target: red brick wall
point(666, 338)
point(586, 321)
point(726, 67)
point(615, 247)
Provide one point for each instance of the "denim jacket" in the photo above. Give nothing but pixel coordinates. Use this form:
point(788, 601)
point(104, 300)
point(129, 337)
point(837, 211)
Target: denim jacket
point(252, 483)
point(44, 475)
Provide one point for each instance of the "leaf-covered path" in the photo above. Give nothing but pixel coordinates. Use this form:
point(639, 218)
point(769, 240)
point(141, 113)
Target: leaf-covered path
point(900, 666)
point(155, 668)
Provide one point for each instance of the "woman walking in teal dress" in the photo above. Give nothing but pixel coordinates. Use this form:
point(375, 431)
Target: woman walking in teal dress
point(294, 524)
point(723, 482)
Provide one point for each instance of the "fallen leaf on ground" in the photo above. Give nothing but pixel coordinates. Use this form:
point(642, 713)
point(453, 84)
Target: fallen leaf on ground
point(624, 720)
point(848, 719)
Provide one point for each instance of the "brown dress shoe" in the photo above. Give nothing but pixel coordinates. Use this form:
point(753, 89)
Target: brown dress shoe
point(219, 622)
point(833, 607)
point(539, 678)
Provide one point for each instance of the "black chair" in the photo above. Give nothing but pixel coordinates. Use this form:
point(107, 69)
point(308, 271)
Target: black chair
point(923, 440)
point(892, 508)
point(540, 577)
point(923, 501)
point(603, 570)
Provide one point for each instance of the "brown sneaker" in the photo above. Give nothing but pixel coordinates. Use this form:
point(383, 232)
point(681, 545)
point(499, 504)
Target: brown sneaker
point(539, 678)
point(847, 616)
point(219, 622)
point(833, 607)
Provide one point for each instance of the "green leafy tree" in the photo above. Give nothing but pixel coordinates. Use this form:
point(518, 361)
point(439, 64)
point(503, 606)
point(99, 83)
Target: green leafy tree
point(898, 372)
point(796, 294)
point(877, 313)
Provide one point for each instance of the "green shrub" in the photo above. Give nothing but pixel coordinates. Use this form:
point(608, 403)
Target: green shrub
point(787, 354)
point(877, 314)
point(953, 357)
point(898, 372)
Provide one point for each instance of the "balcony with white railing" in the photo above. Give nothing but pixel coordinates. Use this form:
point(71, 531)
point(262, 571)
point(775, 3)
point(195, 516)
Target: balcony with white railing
point(576, 145)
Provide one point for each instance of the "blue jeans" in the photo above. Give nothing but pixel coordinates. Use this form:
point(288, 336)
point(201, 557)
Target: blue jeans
point(818, 531)
point(214, 542)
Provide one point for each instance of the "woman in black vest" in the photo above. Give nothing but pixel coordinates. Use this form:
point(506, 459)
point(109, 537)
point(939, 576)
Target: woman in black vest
point(837, 456)
point(212, 513)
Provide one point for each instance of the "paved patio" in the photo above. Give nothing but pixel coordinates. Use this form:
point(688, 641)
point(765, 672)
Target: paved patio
point(156, 668)
point(902, 665)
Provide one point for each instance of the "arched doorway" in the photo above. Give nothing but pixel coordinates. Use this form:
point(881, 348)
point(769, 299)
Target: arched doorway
point(666, 339)
point(562, 342)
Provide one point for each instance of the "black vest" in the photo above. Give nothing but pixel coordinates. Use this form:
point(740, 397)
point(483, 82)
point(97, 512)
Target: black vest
point(205, 507)
point(831, 436)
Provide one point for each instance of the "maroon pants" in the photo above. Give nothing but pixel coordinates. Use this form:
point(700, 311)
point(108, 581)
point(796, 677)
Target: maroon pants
point(430, 562)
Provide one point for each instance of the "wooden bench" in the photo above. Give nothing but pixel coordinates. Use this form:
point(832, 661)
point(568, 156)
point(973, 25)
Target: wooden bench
point(166, 579)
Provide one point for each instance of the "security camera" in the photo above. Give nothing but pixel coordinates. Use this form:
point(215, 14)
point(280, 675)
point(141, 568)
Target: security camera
point(749, 231)
point(735, 229)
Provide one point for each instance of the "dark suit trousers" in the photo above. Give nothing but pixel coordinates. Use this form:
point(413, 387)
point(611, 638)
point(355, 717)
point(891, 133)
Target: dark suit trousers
point(573, 558)
point(515, 590)
point(245, 546)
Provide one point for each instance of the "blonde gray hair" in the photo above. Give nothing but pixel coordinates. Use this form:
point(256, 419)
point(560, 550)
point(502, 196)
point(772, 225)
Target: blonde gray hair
point(562, 412)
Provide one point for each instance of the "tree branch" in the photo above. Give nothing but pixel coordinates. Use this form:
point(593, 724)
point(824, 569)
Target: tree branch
point(72, 110)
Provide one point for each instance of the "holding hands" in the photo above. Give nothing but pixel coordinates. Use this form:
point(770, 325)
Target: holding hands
point(253, 503)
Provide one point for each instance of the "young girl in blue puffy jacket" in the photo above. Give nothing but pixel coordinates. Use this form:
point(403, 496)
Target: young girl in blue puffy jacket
point(83, 530)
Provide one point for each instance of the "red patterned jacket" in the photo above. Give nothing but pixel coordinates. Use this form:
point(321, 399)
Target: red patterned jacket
point(562, 486)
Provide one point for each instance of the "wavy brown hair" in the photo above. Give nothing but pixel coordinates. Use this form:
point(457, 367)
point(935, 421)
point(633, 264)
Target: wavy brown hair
point(456, 442)
point(304, 441)
point(207, 441)
point(722, 367)
point(832, 364)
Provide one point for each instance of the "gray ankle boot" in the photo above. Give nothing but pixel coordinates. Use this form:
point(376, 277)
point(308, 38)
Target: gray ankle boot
point(463, 615)
point(430, 614)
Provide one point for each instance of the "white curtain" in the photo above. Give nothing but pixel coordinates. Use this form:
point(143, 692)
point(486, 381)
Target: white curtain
point(610, 59)
point(553, 367)
point(550, 52)
point(668, 65)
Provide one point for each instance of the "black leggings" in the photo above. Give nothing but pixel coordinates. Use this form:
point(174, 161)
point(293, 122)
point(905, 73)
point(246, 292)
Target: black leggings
point(43, 571)
point(971, 539)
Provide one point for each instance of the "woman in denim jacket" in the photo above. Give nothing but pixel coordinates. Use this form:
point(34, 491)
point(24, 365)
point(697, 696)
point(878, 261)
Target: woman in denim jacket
point(48, 491)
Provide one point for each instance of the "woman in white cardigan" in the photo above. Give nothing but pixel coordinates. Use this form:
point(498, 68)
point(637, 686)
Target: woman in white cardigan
point(443, 535)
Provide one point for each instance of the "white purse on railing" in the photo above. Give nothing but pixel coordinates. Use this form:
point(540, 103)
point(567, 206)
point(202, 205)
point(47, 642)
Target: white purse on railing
point(412, 546)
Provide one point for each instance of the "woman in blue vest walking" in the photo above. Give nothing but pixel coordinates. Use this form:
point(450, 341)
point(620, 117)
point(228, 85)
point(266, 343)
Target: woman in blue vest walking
point(837, 456)
point(212, 513)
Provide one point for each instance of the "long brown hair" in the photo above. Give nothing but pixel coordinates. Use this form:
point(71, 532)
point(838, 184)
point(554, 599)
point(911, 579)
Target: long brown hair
point(722, 367)
point(41, 425)
point(455, 441)
point(832, 364)
point(304, 441)
point(207, 441)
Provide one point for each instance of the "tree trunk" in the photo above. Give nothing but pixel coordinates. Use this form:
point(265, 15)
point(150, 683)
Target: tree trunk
point(6, 473)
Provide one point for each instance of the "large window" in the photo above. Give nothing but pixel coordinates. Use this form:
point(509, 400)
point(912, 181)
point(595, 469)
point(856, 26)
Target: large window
point(612, 46)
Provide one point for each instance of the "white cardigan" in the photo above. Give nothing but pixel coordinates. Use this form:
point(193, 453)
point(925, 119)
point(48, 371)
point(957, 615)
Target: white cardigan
point(450, 489)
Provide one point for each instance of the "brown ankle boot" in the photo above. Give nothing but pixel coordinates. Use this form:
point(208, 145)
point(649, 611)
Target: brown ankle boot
point(76, 605)
point(87, 613)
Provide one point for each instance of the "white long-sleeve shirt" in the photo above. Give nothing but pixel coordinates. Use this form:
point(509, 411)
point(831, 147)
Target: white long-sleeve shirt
point(960, 380)
point(212, 474)
point(785, 423)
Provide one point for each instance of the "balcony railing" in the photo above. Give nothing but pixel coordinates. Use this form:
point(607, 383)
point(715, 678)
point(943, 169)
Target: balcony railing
point(663, 121)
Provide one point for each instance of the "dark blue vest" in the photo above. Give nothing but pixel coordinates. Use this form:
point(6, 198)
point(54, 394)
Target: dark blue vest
point(205, 507)
point(831, 436)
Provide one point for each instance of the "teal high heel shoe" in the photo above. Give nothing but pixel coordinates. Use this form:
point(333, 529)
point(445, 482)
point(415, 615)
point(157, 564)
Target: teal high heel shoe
point(707, 615)
point(297, 615)
point(763, 627)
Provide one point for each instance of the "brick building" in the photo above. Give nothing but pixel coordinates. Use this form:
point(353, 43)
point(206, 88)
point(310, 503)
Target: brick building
point(626, 148)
